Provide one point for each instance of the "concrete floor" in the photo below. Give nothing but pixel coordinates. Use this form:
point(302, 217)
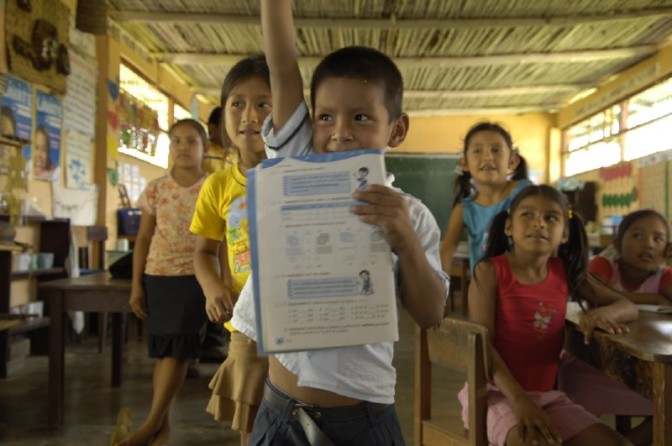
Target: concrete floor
point(91, 404)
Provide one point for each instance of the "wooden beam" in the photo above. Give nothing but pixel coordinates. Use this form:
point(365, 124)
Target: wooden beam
point(392, 22)
point(454, 94)
point(434, 62)
point(512, 110)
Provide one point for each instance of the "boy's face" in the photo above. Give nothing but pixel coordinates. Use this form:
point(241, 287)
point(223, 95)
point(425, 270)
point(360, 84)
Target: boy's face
point(350, 114)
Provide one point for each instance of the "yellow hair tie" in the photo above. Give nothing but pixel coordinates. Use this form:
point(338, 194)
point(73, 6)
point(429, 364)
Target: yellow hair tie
point(570, 214)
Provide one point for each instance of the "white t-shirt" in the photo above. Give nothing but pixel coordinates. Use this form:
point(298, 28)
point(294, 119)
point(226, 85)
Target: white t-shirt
point(363, 372)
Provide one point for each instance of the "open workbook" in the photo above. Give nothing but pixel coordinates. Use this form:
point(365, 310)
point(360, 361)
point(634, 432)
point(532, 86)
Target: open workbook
point(322, 278)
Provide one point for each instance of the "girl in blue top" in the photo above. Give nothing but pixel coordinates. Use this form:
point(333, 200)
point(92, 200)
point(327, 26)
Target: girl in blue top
point(492, 174)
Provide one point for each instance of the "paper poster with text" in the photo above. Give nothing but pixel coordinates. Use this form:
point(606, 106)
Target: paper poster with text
point(322, 278)
point(17, 110)
point(46, 141)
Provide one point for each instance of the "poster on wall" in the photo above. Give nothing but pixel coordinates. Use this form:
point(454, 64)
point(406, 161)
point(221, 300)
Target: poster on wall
point(79, 102)
point(77, 147)
point(45, 155)
point(16, 116)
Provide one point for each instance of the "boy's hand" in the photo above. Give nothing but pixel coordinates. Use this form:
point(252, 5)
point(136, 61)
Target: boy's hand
point(386, 208)
point(533, 424)
point(598, 319)
point(218, 306)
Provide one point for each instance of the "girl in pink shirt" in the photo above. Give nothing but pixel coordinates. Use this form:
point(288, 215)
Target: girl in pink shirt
point(520, 292)
point(633, 265)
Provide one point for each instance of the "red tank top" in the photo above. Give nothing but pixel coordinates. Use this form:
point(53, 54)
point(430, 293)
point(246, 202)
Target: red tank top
point(530, 323)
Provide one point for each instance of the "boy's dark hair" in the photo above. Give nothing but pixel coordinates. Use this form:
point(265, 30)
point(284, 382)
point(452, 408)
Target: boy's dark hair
point(215, 117)
point(632, 217)
point(359, 62)
point(250, 67)
point(194, 124)
point(463, 186)
point(573, 253)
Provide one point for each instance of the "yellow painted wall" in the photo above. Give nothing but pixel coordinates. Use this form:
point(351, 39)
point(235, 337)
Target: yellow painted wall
point(531, 133)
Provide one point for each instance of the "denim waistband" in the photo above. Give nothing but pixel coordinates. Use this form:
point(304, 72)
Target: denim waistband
point(279, 400)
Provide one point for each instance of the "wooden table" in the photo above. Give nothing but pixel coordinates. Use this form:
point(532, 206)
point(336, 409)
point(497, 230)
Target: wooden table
point(641, 359)
point(95, 293)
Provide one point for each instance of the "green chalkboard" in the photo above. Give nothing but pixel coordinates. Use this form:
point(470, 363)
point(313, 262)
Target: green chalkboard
point(430, 177)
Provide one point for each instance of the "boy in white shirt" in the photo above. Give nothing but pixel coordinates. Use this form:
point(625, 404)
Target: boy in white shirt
point(343, 395)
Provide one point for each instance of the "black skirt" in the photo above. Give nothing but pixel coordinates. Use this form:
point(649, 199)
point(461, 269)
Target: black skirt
point(176, 316)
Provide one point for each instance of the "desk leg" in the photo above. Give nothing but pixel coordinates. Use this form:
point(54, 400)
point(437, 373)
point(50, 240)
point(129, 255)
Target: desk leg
point(56, 358)
point(118, 330)
point(662, 404)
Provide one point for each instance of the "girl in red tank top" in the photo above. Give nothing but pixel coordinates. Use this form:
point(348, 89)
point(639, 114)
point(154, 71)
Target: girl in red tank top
point(536, 257)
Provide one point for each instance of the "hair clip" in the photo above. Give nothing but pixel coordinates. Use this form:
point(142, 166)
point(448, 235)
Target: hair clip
point(570, 214)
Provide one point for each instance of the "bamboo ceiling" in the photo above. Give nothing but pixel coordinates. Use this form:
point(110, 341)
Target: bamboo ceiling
point(456, 56)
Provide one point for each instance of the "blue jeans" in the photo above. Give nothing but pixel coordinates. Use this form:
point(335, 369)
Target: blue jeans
point(274, 427)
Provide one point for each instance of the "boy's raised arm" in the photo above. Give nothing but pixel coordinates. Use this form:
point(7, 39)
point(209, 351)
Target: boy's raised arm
point(277, 25)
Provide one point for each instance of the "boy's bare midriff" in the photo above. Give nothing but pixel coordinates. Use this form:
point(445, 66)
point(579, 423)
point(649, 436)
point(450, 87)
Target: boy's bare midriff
point(286, 381)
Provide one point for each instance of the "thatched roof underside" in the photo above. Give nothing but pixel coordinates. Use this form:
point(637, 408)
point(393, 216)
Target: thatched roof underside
point(456, 56)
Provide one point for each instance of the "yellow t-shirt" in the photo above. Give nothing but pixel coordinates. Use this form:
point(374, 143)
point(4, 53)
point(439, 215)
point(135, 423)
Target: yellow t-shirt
point(221, 214)
point(217, 158)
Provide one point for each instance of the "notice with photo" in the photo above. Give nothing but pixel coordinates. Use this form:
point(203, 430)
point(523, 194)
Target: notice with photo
point(322, 278)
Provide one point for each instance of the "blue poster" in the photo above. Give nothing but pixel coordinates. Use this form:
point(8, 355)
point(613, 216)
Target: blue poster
point(47, 138)
point(16, 115)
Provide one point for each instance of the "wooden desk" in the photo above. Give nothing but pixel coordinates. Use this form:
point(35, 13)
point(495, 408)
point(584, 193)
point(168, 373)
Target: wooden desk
point(96, 293)
point(641, 359)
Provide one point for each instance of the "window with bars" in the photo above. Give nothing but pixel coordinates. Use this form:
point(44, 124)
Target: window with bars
point(135, 137)
point(634, 128)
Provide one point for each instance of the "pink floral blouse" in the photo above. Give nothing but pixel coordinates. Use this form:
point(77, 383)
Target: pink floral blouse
point(171, 252)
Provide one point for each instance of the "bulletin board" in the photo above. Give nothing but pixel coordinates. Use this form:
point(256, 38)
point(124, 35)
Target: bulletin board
point(655, 179)
point(429, 177)
point(36, 40)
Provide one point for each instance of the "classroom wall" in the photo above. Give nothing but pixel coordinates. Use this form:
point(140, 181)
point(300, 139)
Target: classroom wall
point(531, 132)
point(111, 53)
point(646, 181)
point(650, 177)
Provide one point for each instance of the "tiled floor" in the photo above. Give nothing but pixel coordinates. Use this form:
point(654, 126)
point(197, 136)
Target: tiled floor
point(91, 404)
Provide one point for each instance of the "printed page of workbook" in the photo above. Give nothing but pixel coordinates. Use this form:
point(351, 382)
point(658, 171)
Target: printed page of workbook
point(322, 278)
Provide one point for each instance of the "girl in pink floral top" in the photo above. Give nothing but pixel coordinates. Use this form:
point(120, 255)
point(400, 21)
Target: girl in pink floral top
point(165, 290)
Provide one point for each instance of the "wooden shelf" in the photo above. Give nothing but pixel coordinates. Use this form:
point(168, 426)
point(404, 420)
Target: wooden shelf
point(54, 237)
point(6, 325)
point(29, 325)
point(37, 272)
point(10, 247)
point(16, 142)
point(36, 219)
